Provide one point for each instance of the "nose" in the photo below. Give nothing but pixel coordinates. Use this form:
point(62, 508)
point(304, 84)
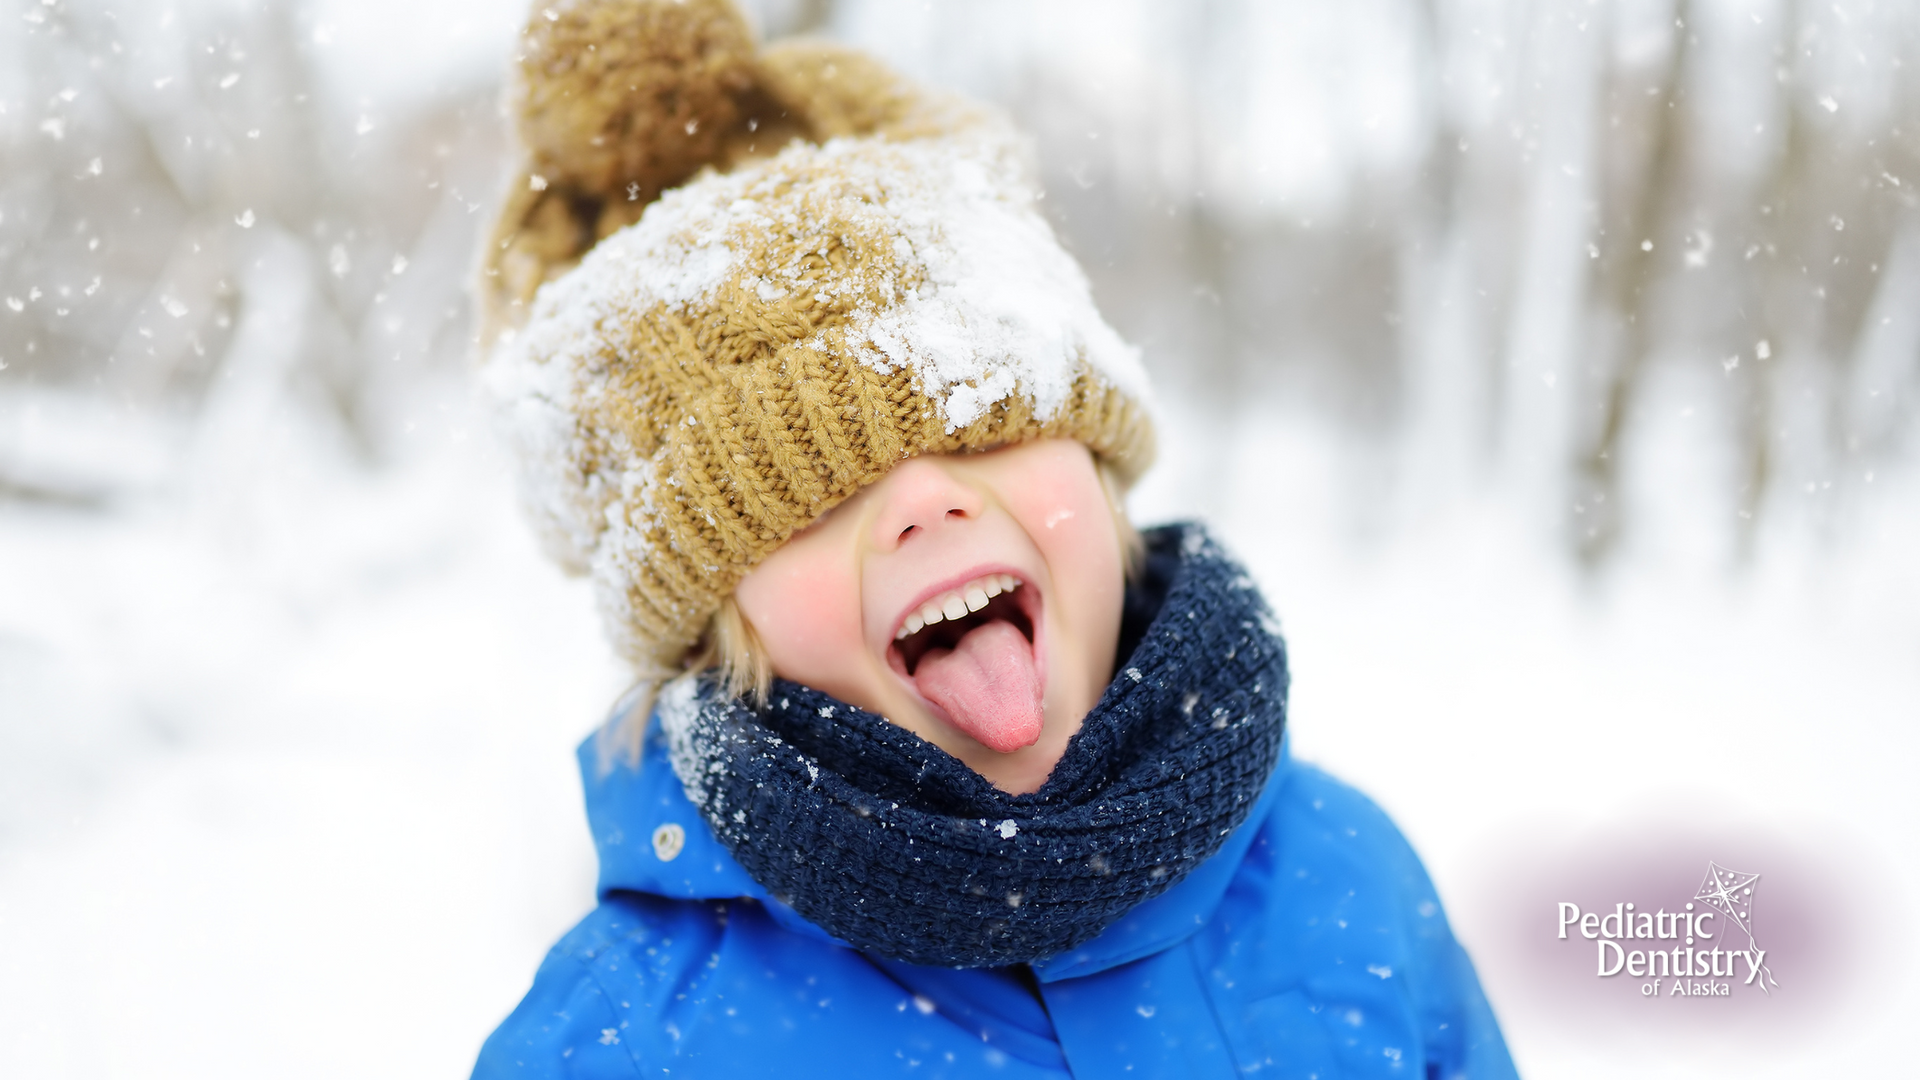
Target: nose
point(920, 496)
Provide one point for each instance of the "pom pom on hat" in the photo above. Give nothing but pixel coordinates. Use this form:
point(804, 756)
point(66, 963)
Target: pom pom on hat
point(630, 91)
point(731, 287)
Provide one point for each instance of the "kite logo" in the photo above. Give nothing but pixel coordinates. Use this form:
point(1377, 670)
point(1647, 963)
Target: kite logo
point(1730, 893)
point(1690, 945)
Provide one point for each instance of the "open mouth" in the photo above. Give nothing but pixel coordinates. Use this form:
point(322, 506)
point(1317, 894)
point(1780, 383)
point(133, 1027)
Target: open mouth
point(941, 623)
point(970, 652)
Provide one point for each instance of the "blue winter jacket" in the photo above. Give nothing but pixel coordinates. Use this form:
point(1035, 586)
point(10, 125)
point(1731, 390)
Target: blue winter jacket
point(1311, 945)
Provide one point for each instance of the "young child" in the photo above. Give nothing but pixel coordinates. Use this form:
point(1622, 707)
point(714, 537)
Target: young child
point(935, 767)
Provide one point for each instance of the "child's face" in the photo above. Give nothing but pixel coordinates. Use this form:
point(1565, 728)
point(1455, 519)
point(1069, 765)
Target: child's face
point(1001, 685)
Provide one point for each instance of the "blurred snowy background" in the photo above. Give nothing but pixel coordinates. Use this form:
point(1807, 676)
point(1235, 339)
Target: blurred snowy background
point(1555, 364)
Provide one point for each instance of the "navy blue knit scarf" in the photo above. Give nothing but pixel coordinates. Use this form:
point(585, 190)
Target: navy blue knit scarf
point(892, 845)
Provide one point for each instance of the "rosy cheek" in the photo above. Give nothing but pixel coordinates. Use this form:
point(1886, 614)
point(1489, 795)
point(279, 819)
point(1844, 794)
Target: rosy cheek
point(1062, 507)
point(808, 620)
point(1080, 549)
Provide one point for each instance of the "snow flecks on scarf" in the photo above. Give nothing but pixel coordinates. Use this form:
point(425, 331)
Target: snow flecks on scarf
point(887, 842)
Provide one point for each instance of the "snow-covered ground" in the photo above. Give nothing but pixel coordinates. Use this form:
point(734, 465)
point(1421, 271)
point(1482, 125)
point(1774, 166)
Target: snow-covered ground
point(285, 781)
point(285, 775)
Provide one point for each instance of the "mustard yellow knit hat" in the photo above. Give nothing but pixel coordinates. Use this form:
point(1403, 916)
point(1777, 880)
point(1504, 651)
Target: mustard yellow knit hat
point(731, 286)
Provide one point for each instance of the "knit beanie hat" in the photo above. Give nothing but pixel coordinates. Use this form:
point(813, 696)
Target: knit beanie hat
point(731, 286)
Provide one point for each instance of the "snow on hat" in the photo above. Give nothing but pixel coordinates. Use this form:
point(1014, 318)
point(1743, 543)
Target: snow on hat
point(732, 286)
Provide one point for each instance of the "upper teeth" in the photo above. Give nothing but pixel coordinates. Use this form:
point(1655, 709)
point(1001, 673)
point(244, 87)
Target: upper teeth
point(955, 603)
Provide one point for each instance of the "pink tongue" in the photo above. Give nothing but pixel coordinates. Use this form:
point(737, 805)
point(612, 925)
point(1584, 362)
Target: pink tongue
point(987, 685)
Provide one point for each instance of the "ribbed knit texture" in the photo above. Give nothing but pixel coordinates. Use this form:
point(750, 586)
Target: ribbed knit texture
point(889, 843)
point(730, 287)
